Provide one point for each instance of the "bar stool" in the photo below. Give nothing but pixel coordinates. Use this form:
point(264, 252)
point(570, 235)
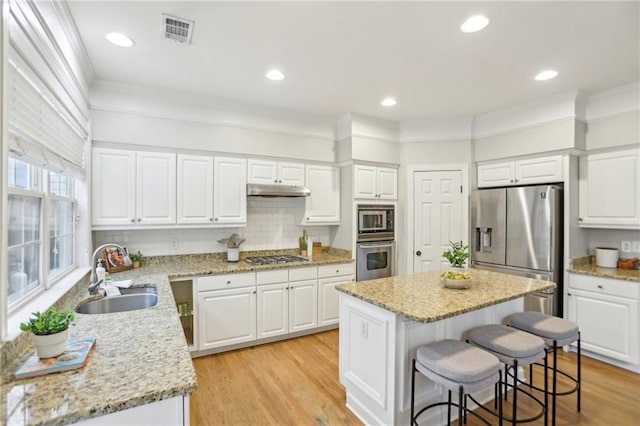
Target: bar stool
point(459, 367)
point(555, 332)
point(513, 348)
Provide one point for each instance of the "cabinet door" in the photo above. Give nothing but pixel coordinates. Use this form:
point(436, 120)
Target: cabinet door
point(323, 205)
point(195, 189)
point(496, 174)
point(113, 192)
point(230, 191)
point(387, 183)
point(262, 171)
point(329, 300)
point(156, 188)
point(273, 310)
point(303, 305)
point(610, 190)
point(608, 324)
point(539, 170)
point(291, 174)
point(364, 182)
point(226, 317)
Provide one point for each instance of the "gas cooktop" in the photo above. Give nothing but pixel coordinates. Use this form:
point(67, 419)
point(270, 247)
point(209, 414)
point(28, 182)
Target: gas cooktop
point(270, 260)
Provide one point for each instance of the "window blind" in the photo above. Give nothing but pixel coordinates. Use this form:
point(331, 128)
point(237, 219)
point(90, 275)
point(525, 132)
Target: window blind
point(38, 129)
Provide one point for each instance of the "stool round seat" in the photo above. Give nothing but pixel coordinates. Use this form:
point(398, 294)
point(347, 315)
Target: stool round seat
point(452, 363)
point(547, 327)
point(508, 344)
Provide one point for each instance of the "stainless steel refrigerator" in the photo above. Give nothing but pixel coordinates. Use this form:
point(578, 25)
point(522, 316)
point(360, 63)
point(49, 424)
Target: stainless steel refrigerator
point(518, 230)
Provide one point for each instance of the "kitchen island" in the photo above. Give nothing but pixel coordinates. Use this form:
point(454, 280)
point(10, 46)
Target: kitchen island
point(383, 322)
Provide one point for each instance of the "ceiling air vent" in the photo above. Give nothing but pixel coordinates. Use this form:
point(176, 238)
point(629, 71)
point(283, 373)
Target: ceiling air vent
point(177, 29)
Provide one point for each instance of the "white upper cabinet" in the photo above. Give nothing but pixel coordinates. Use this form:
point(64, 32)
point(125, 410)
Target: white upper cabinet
point(156, 188)
point(521, 172)
point(275, 172)
point(133, 188)
point(610, 190)
point(113, 192)
point(230, 191)
point(378, 183)
point(323, 205)
point(195, 189)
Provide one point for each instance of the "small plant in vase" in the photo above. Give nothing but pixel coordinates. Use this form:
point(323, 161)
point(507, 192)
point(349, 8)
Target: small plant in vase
point(457, 255)
point(135, 259)
point(50, 331)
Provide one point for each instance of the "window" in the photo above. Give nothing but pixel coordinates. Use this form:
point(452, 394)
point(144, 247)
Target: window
point(39, 250)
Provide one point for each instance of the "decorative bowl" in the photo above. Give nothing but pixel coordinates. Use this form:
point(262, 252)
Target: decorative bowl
point(458, 284)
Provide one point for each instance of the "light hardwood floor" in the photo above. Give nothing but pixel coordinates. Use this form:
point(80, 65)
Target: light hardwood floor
point(295, 382)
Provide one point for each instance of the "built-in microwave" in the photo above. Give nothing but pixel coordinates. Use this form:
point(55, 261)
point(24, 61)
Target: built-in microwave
point(376, 222)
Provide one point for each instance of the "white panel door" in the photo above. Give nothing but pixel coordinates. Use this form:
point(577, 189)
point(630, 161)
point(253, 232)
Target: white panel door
point(608, 324)
point(291, 174)
point(262, 171)
point(195, 189)
point(273, 310)
point(539, 170)
point(303, 305)
point(329, 300)
point(387, 183)
point(437, 217)
point(226, 317)
point(364, 182)
point(113, 192)
point(229, 191)
point(156, 188)
point(323, 205)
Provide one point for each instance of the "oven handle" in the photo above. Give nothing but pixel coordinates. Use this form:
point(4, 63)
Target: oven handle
point(375, 245)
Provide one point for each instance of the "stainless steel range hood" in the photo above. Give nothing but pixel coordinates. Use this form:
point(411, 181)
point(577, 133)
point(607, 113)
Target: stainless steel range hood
point(261, 190)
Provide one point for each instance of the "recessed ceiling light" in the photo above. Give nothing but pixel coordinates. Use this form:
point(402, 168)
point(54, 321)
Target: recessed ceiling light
point(388, 102)
point(475, 23)
point(546, 75)
point(275, 75)
point(119, 39)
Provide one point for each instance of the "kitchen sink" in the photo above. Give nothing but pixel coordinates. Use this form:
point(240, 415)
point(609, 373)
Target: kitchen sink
point(131, 299)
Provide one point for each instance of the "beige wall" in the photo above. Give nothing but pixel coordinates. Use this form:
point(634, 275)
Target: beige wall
point(616, 130)
point(435, 152)
point(532, 140)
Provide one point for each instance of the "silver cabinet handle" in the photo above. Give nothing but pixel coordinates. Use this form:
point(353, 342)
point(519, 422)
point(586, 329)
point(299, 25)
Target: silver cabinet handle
point(216, 219)
point(229, 282)
point(133, 220)
point(139, 220)
point(210, 219)
point(599, 285)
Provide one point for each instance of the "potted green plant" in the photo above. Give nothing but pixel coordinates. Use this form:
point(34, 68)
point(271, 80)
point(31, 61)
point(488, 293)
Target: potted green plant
point(50, 330)
point(457, 254)
point(135, 259)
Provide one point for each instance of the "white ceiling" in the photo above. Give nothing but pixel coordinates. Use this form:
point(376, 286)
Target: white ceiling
point(345, 57)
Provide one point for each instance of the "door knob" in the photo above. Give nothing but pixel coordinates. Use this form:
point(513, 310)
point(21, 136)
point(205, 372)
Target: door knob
point(418, 253)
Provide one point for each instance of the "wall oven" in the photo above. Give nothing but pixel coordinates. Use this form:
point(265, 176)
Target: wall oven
point(375, 260)
point(375, 222)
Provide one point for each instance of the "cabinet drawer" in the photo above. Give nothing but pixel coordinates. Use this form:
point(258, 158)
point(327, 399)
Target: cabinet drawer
point(272, 277)
point(335, 270)
point(612, 287)
point(301, 274)
point(219, 282)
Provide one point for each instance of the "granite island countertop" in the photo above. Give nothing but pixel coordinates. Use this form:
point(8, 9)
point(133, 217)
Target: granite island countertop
point(587, 266)
point(140, 356)
point(423, 298)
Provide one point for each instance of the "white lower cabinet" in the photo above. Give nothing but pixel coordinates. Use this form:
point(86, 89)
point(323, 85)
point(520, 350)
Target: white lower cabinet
point(173, 411)
point(606, 311)
point(329, 277)
point(273, 310)
point(226, 317)
point(303, 305)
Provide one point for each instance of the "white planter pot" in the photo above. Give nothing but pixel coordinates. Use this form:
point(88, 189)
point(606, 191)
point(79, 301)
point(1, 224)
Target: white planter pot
point(458, 270)
point(51, 345)
point(233, 254)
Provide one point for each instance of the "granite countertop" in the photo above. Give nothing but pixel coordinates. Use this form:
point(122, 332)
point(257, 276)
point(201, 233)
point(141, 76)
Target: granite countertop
point(587, 266)
point(140, 356)
point(422, 297)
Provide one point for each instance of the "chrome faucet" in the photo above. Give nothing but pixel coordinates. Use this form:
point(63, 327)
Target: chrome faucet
point(94, 284)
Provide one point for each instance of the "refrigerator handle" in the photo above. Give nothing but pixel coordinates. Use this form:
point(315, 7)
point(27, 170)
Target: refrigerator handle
point(483, 239)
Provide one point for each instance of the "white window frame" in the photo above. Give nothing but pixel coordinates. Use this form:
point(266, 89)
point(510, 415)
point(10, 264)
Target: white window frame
point(46, 282)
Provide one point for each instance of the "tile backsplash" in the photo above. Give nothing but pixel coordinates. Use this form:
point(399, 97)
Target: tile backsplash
point(272, 223)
